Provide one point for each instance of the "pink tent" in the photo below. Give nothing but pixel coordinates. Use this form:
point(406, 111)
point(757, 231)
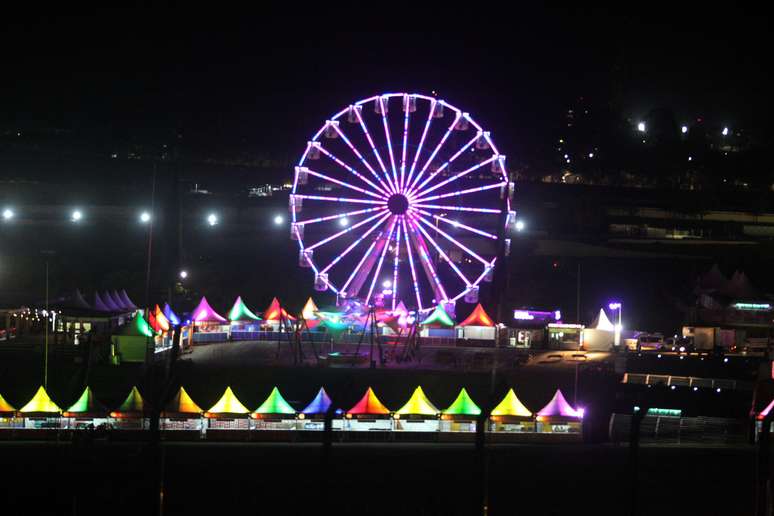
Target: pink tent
point(558, 407)
point(204, 313)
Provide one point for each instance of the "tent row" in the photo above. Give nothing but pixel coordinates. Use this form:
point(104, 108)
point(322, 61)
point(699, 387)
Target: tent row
point(369, 413)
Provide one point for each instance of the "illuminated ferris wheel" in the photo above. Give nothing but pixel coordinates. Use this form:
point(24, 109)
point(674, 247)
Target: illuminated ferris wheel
point(385, 211)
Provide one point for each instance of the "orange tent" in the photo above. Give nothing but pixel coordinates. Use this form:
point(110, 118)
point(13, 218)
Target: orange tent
point(478, 317)
point(275, 312)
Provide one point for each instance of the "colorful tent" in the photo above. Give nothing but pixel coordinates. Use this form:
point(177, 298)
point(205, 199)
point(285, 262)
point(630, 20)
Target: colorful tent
point(111, 303)
point(240, 312)
point(511, 406)
point(400, 309)
point(332, 327)
point(275, 312)
point(87, 405)
point(438, 318)
point(558, 407)
point(137, 327)
point(478, 317)
point(227, 405)
point(162, 320)
point(119, 302)
point(274, 404)
point(41, 403)
point(320, 404)
point(153, 322)
point(182, 404)
point(418, 404)
point(5, 407)
point(368, 404)
point(462, 406)
point(170, 315)
point(204, 313)
point(309, 311)
point(133, 405)
point(99, 304)
point(126, 301)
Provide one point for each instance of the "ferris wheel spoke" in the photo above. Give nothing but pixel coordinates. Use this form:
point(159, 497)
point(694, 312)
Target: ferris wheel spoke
point(406, 111)
point(457, 176)
point(435, 151)
point(462, 192)
point(427, 264)
point(366, 265)
point(339, 216)
point(344, 231)
point(361, 121)
point(444, 256)
point(350, 169)
point(421, 141)
point(459, 225)
point(381, 260)
point(411, 264)
point(358, 267)
point(386, 126)
point(338, 199)
point(454, 208)
point(395, 266)
point(355, 243)
point(345, 184)
point(443, 166)
point(451, 239)
point(385, 189)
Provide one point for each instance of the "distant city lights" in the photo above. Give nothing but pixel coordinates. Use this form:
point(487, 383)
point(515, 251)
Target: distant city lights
point(145, 217)
point(8, 214)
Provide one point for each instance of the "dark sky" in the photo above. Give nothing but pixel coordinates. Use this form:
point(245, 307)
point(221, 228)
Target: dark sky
point(268, 79)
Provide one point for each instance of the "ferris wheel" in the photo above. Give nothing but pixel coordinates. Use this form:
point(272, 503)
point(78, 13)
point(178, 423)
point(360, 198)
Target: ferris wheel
point(385, 211)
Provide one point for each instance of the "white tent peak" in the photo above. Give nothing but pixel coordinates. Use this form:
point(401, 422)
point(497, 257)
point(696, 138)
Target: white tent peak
point(602, 322)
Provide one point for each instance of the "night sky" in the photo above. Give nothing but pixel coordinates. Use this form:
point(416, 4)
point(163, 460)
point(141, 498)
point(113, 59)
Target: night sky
point(266, 80)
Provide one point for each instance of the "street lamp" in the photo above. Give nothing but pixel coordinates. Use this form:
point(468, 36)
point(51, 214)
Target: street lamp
point(344, 222)
point(76, 216)
point(684, 129)
point(520, 225)
point(724, 132)
point(8, 214)
point(618, 327)
point(183, 274)
point(212, 219)
point(145, 217)
point(641, 127)
point(278, 220)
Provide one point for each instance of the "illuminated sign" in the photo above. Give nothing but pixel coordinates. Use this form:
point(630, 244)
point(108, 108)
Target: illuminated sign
point(752, 306)
point(523, 315)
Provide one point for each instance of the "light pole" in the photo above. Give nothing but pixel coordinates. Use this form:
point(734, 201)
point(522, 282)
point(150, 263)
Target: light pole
point(617, 305)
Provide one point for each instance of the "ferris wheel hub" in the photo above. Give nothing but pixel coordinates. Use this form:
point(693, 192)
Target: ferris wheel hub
point(398, 204)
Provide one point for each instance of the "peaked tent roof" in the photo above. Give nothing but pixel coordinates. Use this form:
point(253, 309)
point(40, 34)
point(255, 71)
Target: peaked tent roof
point(275, 312)
point(5, 407)
point(419, 404)
point(369, 404)
point(137, 327)
point(240, 312)
point(511, 406)
point(204, 313)
point(99, 304)
point(308, 312)
point(558, 406)
point(275, 404)
point(87, 404)
point(119, 302)
point(478, 317)
point(602, 322)
point(132, 403)
point(462, 406)
point(320, 404)
point(439, 317)
point(170, 315)
point(41, 403)
point(161, 319)
point(182, 404)
point(110, 302)
point(228, 404)
point(153, 322)
point(400, 309)
point(126, 300)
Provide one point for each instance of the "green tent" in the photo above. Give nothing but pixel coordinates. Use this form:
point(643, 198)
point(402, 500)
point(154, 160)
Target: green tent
point(132, 339)
point(439, 317)
point(133, 405)
point(462, 406)
point(274, 404)
point(240, 312)
point(87, 405)
point(334, 328)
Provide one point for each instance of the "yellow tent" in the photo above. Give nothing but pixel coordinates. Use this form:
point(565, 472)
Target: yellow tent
point(511, 406)
point(418, 404)
point(228, 404)
point(182, 404)
point(41, 403)
point(5, 407)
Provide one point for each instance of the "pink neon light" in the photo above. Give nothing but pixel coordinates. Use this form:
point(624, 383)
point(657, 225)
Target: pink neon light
point(381, 259)
point(455, 208)
point(456, 176)
point(452, 240)
point(348, 168)
point(340, 215)
point(411, 264)
point(395, 267)
point(445, 257)
point(421, 141)
point(338, 199)
point(435, 151)
point(344, 231)
point(461, 192)
point(458, 224)
point(345, 184)
point(405, 138)
point(446, 164)
point(359, 265)
point(393, 189)
point(389, 143)
point(356, 242)
point(385, 188)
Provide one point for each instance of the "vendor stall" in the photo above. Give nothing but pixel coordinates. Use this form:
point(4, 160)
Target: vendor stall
point(132, 414)
point(600, 336)
point(86, 412)
point(417, 415)
point(41, 412)
point(132, 341)
point(558, 416)
point(368, 414)
point(228, 413)
point(8, 417)
point(243, 323)
point(438, 324)
point(312, 417)
point(460, 416)
point(182, 414)
point(274, 414)
point(478, 326)
point(276, 318)
point(209, 326)
point(510, 415)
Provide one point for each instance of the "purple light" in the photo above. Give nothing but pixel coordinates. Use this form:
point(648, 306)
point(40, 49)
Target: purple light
point(348, 168)
point(458, 225)
point(389, 141)
point(421, 141)
point(347, 185)
point(435, 151)
point(411, 263)
point(355, 243)
point(614, 306)
point(406, 110)
point(452, 240)
point(344, 231)
point(523, 315)
point(339, 216)
point(385, 189)
point(442, 167)
point(461, 192)
point(455, 208)
point(339, 199)
point(456, 176)
point(359, 115)
point(395, 266)
point(381, 259)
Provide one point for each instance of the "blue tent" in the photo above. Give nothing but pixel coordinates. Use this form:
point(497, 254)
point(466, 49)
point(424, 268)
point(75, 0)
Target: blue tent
point(320, 404)
point(170, 315)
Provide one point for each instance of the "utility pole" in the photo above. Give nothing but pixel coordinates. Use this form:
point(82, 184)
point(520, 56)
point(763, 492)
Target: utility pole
point(577, 294)
point(45, 352)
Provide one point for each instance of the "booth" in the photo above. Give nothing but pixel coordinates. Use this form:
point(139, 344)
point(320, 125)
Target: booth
point(460, 416)
point(511, 416)
point(8, 417)
point(243, 322)
point(132, 414)
point(274, 414)
point(228, 413)
point(86, 412)
point(559, 417)
point(276, 318)
point(209, 326)
point(368, 414)
point(600, 336)
point(41, 412)
point(132, 341)
point(478, 326)
point(182, 414)
point(438, 324)
point(313, 415)
point(417, 415)
point(171, 316)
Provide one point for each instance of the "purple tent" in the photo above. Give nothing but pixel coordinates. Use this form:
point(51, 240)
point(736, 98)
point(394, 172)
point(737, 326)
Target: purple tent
point(204, 313)
point(126, 301)
point(99, 304)
point(110, 302)
point(558, 407)
point(119, 302)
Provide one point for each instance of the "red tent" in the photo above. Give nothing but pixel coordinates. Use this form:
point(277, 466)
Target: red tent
point(478, 317)
point(368, 404)
point(275, 312)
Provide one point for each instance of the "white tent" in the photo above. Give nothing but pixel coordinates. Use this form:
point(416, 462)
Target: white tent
point(600, 336)
point(602, 322)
